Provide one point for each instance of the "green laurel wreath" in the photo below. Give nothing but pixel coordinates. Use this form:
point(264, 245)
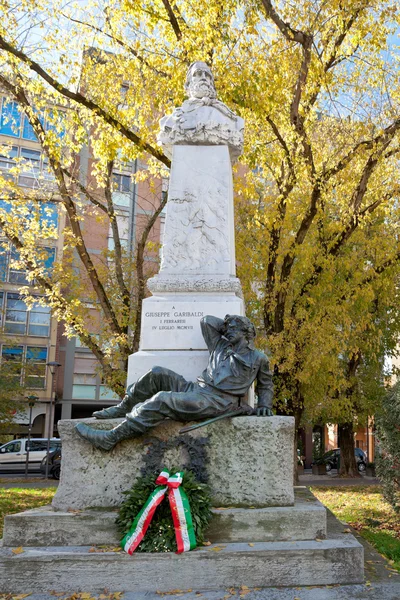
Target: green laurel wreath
point(160, 536)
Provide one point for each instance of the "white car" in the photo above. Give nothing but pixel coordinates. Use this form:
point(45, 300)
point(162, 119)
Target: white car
point(13, 454)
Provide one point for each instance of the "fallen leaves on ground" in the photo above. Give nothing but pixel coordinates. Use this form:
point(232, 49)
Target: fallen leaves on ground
point(216, 548)
point(13, 596)
point(365, 509)
point(174, 593)
point(105, 549)
point(18, 550)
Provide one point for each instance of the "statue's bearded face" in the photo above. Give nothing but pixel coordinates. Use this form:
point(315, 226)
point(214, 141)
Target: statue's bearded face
point(201, 84)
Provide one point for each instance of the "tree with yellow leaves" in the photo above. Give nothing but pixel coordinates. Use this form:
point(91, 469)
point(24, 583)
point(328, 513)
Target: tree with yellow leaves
point(317, 211)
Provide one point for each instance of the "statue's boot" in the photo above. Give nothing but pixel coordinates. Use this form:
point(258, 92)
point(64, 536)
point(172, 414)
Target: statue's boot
point(106, 440)
point(120, 410)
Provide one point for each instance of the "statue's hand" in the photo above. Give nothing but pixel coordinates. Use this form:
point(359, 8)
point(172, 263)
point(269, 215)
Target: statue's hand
point(264, 411)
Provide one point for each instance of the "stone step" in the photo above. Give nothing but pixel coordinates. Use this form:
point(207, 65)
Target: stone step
point(306, 520)
point(44, 526)
point(264, 564)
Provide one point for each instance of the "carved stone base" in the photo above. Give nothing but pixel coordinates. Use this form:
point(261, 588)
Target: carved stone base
point(184, 283)
point(248, 461)
point(44, 526)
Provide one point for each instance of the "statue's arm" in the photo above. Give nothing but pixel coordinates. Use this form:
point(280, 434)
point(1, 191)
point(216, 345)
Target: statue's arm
point(265, 389)
point(212, 329)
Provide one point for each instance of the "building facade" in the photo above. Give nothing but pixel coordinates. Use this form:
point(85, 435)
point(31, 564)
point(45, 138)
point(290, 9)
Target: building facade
point(28, 334)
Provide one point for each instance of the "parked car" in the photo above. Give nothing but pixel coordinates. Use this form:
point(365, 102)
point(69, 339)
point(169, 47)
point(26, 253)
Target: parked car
point(332, 458)
point(13, 454)
point(54, 464)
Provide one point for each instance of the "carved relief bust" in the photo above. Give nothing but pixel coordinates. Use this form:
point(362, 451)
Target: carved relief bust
point(202, 119)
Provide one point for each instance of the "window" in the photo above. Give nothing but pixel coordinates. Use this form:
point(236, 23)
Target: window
point(123, 223)
point(16, 275)
point(10, 118)
point(122, 183)
point(34, 169)
point(36, 358)
point(48, 215)
point(85, 378)
point(21, 321)
point(31, 160)
point(13, 447)
point(26, 364)
point(15, 123)
point(12, 356)
point(7, 159)
point(9, 255)
point(36, 446)
point(3, 262)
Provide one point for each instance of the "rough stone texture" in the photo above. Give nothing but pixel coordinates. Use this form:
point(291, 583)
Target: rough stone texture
point(378, 591)
point(43, 526)
point(306, 520)
point(46, 527)
point(214, 567)
point(250, 463)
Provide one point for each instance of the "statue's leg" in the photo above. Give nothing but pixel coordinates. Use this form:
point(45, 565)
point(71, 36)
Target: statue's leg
point(105, 440)
point(155, 380)
point(188, 405)
point(120, 410)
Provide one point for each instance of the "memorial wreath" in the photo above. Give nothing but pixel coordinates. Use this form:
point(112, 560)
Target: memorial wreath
point(149, 523)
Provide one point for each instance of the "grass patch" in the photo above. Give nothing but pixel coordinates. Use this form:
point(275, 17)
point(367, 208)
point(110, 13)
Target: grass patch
point(368, 513)
point(15, 500)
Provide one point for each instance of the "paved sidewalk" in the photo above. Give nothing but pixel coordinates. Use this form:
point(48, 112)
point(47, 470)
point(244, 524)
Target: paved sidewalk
point(308, 479)
point(332, 478)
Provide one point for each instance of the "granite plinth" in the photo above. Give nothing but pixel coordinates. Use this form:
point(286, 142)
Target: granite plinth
point(248, 461)
point(265, 564)
point(44, 526)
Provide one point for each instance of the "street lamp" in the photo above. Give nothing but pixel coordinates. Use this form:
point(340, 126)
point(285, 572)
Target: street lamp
point(53, 365)
point(31, 402)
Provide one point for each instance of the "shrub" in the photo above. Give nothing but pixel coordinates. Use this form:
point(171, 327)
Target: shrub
point(388, 440)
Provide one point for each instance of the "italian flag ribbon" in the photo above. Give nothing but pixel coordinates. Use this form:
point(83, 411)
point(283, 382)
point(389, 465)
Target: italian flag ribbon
point(180, 509)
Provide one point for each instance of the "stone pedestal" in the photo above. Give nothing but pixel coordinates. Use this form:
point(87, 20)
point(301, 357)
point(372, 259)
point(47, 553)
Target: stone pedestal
point(197, 275)
point(261, 534)
point(248, 462)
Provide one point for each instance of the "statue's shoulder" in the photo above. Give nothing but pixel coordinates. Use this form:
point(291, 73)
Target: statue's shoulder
point(260, 356)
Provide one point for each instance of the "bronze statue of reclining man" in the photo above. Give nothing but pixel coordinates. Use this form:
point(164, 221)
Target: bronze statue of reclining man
point(233, 366)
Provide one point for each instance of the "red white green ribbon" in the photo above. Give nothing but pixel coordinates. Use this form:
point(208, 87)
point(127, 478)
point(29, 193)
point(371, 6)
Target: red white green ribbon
point(180, 509)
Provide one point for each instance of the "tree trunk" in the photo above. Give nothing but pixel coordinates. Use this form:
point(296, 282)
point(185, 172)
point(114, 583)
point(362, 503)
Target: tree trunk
point(348, 465)
point(297, 418)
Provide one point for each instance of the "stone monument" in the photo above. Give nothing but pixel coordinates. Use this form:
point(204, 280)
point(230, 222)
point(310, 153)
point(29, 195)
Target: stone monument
point(197, 276)
point(266, 535)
